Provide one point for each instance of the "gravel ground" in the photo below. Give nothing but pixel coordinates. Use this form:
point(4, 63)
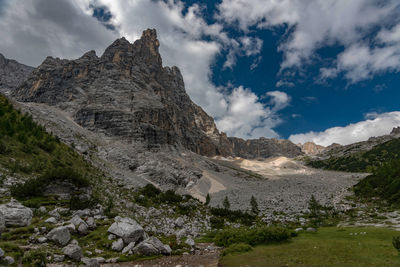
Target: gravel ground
point(288, 193)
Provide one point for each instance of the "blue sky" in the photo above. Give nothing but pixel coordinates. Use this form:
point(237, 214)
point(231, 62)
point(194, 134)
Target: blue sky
point(318, 70)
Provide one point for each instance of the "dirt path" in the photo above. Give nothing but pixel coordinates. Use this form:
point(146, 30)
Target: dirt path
point(200, 258)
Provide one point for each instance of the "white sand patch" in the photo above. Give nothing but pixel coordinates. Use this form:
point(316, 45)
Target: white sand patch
point(208, 184)
point(272, 168)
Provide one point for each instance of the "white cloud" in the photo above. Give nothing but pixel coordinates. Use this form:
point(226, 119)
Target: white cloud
point(317, 23)
point(248, 118)
point(31, 30)
point(375, 125)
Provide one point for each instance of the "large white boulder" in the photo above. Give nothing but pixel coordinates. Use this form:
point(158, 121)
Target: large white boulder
point(127, 229)
point(73, 251)
point(16, 214)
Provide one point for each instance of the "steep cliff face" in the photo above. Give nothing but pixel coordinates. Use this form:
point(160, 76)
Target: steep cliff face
point(263, 148)
point(12, 74)
point(310, 148)
point(128, 94)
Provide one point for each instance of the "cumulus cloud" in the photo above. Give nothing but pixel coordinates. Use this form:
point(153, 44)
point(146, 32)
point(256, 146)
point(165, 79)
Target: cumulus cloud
point(375, 125)
point(247, 117)
point(317, 23)
point(33, 30)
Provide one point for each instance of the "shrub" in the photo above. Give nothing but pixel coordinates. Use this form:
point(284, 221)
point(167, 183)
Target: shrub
point(254, 205)
point(150, 191)
point(237, 248)
point(226, 203)
point(396, 243)
point(252, 236)
point(35, 187)
point(170, 197)
point(217, 222)
point(208, 199)
point(234, 215)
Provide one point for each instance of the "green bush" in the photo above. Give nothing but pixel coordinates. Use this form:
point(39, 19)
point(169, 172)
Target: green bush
point(37, 258)
point(150, 191)
point(396, 242)
point(237, 248)
point(217, 222)
point(35, 187)
point(252, 236)
point(170, 197)
point(234, 215)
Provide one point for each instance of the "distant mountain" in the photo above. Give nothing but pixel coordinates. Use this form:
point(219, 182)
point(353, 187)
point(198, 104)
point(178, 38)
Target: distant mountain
point(362, 156)
point(12, 74)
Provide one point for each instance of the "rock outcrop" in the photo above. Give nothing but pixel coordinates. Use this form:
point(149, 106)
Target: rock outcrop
point(263, 148)
point(12, 74)
point(125, 93)
point(310, 148)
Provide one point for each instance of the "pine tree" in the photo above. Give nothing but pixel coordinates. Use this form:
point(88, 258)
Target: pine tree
point(208, 198)
point(226, 203)
point(254, 205)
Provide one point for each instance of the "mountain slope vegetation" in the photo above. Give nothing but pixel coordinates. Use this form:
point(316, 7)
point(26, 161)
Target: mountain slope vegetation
point(364, 161)
point(28, 152)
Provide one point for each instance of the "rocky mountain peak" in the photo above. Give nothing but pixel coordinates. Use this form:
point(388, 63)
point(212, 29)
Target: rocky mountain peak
point(12, 74)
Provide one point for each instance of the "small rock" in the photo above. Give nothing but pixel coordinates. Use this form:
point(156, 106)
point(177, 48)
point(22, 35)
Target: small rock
point(73, 251)
point(118, 245)
point(111, 237)
point(42, 209)
point(167, 250)
point(179, 222)
point(310, 229)
point(83, 229)
point(9, 260)
point(42, 239)
point(91, 223)
point(58, 258)
point(74, 242)
point(100, 259)
point(60, 235)
point(298, 229)
point(1, 253)
point(128, 248)
point(98, 251)
point(90, 262)
point(112, 260)
point(51, 220)
point(190, 242)
point(55, 214)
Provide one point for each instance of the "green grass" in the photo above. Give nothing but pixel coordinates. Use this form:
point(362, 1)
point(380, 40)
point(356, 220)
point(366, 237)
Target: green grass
point(330, 246)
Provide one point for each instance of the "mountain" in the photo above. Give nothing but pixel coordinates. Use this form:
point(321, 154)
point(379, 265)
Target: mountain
point(125, 93)
point(362, 156)
point(128, 94)
point(12, 74)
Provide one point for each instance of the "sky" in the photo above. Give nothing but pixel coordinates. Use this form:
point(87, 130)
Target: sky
point(305, 70)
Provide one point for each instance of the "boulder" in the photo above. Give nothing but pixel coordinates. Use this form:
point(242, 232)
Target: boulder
point(1, 253)
point(55, 214)
point(42, 239)
point(9, 260)
point(42, 209)
point(117, 245)
point(73, 251)
point(90, 262)
point(158, 245)
point(167, 250)
point(179, 222)
point(15, 214)
point(146, 248)
point(126, 228)
point(59, 235)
